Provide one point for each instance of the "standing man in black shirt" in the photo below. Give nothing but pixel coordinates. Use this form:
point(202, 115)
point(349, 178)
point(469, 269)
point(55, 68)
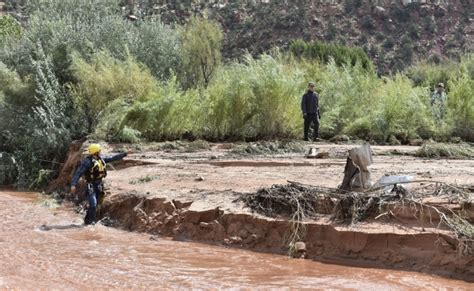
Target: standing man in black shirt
point(310, 109)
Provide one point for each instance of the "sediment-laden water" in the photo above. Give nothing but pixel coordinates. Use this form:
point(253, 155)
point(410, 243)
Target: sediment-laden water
point(41, 247)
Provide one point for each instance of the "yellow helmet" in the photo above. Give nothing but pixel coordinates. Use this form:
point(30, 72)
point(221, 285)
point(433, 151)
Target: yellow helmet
point(93, 148)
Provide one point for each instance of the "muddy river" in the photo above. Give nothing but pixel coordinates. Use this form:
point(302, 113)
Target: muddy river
point(43, 247)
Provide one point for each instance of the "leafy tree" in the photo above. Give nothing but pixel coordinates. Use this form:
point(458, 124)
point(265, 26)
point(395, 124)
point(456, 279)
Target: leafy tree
point(39, 139)
point(201, 45)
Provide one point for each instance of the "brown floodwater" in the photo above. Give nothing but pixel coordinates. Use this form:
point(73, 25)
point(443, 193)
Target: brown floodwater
point(45, 248)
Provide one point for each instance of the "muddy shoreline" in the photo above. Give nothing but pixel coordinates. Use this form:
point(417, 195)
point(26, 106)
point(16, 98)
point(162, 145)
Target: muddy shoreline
point(194, 197)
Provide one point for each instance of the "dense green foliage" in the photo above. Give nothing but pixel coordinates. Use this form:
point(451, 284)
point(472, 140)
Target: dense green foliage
point(201, 52)
point(87, 27)
point(9, 27)
point(325, 52)
point(255, 99)
point(77, 68)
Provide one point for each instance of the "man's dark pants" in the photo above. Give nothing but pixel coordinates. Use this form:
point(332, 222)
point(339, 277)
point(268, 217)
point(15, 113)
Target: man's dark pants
point(95, 194)
point(308, 119)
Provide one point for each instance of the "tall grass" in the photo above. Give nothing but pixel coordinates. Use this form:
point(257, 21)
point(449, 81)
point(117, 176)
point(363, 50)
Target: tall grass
point(168, 113)
point(258, 98)
point(461, 99)
point(104, 79)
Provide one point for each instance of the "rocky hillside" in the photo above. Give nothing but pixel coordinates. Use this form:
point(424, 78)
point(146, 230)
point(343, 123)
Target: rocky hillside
point(394, 33)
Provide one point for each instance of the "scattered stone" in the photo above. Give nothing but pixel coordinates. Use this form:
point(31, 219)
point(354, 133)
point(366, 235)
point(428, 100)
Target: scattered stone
point(199, 179)
point(44, 227)
point(153, 237)
point(314, 154)
point(205, 225)
point(300, 250)
point(425, 174)
point(380, 11)
point(235, 240)
point(242, 233)
point(300, 246)
point(213, 157)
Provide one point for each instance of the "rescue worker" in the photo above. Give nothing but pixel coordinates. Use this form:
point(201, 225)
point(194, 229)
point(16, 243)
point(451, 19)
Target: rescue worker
point(94, 170)
point(310, 109)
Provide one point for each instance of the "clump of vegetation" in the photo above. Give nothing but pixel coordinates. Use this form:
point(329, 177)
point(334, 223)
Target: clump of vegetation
point(300, 202)
point(145, 179)
point(9, 27)
point(445, 150)
point(324, 52)
point(197, 145)
point(184, 146)
point(269, 147)
point(256, 99)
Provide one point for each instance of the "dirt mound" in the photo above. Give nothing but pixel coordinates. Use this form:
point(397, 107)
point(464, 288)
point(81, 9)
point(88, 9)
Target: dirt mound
point(66, 171)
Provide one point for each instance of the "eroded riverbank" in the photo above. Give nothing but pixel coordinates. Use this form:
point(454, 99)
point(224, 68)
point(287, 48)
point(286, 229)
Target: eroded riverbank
point(73, 257)
point(193, 196)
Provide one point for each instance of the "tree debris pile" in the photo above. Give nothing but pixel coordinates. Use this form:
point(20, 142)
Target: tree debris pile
point(300, 202)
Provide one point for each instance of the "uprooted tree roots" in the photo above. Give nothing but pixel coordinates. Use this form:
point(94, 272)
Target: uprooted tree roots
point(300, 202)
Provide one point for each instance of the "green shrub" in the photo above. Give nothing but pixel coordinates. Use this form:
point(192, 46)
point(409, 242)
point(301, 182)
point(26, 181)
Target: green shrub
point(325, 52)
point(368, 22)
point(8, 170)
point(256, 99)
point(105, 79)
point(9, 27)
point(346, 93)
point(168, 113)
point(298, 47)
point(461, 100)
point(201, 54)
point(444, 150)
point(110, 125)
point(87, 27)
point(402, 110)
point(428, 74)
